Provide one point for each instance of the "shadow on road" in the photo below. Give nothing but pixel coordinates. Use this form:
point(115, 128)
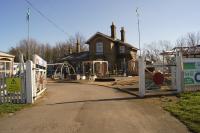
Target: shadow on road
point(127, 90)
point(149, 94)
point(135, 96)
point(97, 100)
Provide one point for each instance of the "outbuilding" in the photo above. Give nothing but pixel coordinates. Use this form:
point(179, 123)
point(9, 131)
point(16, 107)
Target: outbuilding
point(6, 64)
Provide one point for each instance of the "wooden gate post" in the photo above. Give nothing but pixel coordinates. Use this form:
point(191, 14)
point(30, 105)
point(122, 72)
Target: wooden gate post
point(30, 80)
point(141, 76)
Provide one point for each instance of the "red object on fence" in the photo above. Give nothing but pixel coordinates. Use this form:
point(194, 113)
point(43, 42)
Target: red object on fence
point(158, 78)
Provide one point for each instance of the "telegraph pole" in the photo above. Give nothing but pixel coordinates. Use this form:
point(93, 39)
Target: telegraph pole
point(138, 22)
point(28, 37)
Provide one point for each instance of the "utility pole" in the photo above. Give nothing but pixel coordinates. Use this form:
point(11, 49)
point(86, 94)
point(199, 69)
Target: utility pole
point(28, 37)
point(138, 22)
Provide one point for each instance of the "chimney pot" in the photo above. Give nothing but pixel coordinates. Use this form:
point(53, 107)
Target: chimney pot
point(78, 46)
point(70, 50)
point(113, 31)
point(122, 34)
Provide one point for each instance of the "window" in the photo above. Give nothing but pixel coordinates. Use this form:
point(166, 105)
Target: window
point(8, 66)
point(99, 48)
point(123, 64)
point(2, 66)
point(121, 49)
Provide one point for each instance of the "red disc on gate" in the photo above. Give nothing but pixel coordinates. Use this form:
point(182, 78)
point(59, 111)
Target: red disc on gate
point(158, 78)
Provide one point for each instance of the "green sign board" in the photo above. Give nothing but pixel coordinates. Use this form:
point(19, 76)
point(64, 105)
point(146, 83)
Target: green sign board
point(191, 72)
point(13, 84)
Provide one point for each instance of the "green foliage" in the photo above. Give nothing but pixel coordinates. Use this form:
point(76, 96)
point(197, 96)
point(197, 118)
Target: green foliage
point(187, 110)
point(10, 108)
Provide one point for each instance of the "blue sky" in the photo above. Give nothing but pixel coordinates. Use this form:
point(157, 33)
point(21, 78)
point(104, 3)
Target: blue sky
point(160, 19)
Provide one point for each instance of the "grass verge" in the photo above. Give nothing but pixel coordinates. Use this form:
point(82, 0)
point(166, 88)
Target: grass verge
point(10, 108)
point(187, 110)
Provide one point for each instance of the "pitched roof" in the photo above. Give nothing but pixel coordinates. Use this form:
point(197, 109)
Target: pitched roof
point(6, 55)
point(101, 34)
point(110, 38)
point(126, 44)
point(76, 56)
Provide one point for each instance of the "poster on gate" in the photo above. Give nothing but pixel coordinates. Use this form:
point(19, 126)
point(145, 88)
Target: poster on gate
point(13, 84)
point(191, 67)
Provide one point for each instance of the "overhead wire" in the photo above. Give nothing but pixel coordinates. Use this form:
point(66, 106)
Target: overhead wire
point(47, 18)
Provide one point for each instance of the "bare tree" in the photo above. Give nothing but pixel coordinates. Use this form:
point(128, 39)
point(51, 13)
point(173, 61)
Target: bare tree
point(193, 39)
point(27, 49)
point(15, 51)
point(190, 39)
point(46, 51)
point(153, 50)
point(82, 41)
point(72, 41)
point(181, 42)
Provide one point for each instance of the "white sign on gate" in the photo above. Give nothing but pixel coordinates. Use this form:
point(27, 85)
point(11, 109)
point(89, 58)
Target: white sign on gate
point(39, 61)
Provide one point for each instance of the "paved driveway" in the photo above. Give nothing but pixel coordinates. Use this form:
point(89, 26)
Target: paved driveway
point(78, 108)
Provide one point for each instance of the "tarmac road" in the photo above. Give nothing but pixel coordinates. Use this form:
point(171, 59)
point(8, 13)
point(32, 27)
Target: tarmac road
point(79, 108)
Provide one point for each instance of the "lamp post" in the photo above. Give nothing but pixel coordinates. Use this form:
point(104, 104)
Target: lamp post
point(138, 22)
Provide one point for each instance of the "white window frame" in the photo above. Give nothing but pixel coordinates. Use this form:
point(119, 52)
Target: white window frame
point(121, 49)
point(99, 48)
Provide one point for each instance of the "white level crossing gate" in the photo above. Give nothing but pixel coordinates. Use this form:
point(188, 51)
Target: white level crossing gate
point(160, 77)
point(36, 74)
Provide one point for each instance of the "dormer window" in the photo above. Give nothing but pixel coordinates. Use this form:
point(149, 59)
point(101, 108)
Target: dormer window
point(99, 48)
point(121, 49)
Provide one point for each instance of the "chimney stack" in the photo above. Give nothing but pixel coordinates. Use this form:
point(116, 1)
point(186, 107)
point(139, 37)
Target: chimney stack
point(78, 46)
point(70, 50)
point(113, 31)
point(122, 34)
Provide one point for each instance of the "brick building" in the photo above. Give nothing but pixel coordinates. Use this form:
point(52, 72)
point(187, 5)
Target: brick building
point(121, 56)
point(118, 56)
